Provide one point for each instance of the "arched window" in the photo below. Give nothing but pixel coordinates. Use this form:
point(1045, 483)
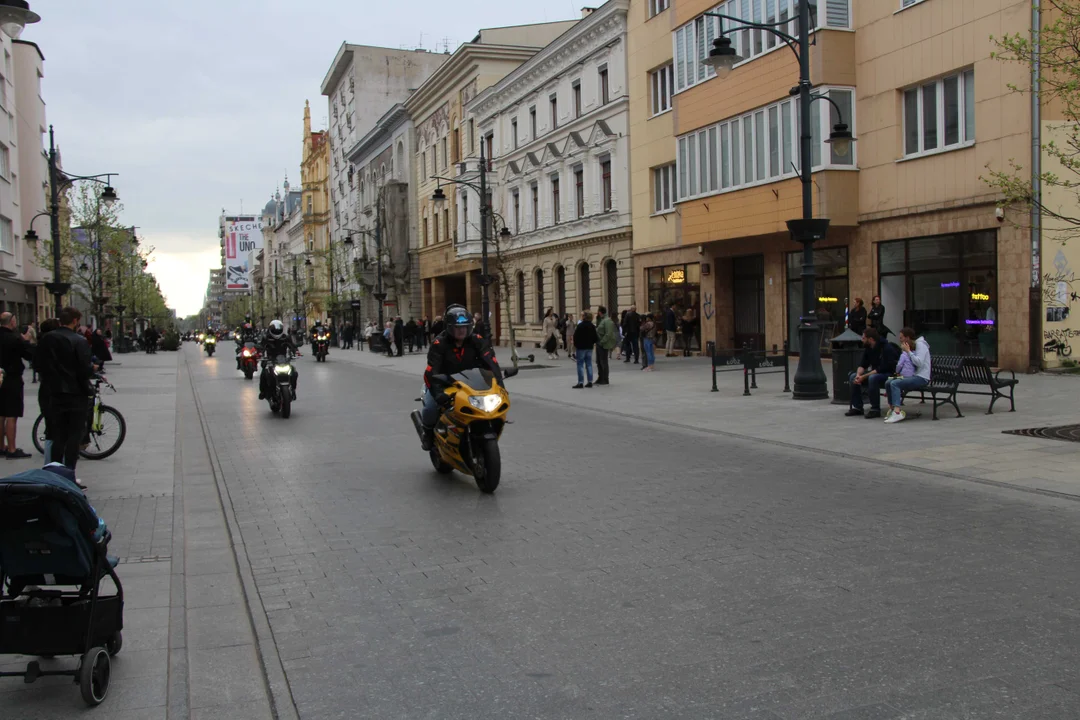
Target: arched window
point(560, 290)
point(539, 279)
point(583, 285)
point(611, 279)
point(521, 298)
point(399, 165)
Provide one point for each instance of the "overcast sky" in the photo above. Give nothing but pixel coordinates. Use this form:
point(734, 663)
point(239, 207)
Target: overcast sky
point(199, 105)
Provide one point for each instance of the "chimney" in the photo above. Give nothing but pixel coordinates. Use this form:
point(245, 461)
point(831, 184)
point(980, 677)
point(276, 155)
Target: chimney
point(587, 11)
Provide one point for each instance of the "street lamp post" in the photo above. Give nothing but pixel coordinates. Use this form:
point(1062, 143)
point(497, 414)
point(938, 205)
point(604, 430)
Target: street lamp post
point(439, 197)
point(810, 380)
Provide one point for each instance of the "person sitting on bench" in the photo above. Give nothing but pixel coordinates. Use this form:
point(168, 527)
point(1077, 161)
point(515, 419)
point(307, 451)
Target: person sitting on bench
point(878, 364)
point(918, 352)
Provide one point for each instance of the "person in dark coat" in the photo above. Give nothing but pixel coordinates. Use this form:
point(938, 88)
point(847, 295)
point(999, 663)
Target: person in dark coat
point(99, 347)
point(410, 334)
point(585, 338)
point(14, 348)
point(857, 317)
point(875, 318)
point(399, 337)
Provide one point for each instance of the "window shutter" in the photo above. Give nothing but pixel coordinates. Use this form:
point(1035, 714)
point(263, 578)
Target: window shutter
point(838, 13)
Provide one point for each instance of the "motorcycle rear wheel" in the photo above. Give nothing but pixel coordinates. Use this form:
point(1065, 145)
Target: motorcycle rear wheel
point(437, 461)
point(489, 459)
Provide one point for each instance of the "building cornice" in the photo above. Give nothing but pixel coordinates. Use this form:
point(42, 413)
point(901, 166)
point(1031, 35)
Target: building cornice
point(596, 33)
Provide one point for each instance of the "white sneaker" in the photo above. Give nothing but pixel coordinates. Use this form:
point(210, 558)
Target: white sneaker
point(898, 416)
point(888, 414)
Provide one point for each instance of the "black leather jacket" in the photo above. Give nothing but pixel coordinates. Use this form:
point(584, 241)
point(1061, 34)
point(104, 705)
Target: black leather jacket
point(445, 358)
point(63, 362)
point(273, 348)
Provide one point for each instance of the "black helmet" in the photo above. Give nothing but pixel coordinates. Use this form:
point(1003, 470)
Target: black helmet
point(276, 330)
point(457, 316)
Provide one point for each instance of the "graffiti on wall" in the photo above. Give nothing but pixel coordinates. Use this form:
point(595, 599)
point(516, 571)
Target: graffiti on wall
point(708, 306)
point(1059, 290)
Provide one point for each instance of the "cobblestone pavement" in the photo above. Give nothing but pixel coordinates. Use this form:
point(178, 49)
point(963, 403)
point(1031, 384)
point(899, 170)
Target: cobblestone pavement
point(677, 394)
point(628, 570)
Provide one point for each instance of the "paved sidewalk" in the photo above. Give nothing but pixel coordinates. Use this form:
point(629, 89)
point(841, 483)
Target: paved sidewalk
point(189, 647)
point(678, 394)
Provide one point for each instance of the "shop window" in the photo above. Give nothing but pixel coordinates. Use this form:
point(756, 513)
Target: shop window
point(830, 293)
point(679, 284)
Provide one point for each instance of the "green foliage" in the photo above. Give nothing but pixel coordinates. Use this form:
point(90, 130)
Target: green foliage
point(1059, 55)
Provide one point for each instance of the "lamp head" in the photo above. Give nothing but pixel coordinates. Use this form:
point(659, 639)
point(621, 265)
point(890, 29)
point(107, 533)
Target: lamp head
point(108, 196)
point(16, 15)
point(505, 234)
point(840, 139)
point(723, 57)
point(438, 197)
point(30, 236)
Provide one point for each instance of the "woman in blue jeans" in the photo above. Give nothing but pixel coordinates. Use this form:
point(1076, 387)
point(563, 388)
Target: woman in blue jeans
point(648, 343)
point(584, 341)
point(918, 352)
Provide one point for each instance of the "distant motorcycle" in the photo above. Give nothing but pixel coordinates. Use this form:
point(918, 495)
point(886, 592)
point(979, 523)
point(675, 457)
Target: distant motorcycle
point(210, 344)
point(249, 359)
point(320, 346)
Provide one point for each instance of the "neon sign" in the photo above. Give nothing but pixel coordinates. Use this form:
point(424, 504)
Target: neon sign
point(980, 296)
point(676, 277)
point(950, 285)
point(979, 322)
point(828, 299)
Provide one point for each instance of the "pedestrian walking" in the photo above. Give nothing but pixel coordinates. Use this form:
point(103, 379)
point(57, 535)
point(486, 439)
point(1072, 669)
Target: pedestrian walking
point(99, 347)
point(48, 326)
point(410, 334)
point(14, 348)
point(399, 336)
point(551, 334)
point(584, 342)
point(671, 326)
point(32, 333)
point(388, 337)
point(687, 321)
point(422, 329)
point(607, 337)
point(64, 357)
point(571, 326)
point(631, 327)
point(648, 343)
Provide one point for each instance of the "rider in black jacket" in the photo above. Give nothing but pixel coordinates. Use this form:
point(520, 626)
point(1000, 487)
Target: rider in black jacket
point(247, 334)
point(276, 343)
point(455, 350)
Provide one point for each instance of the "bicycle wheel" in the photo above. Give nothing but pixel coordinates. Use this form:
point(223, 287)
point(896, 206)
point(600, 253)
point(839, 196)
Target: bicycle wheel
point(39, 434)
point(108, 440)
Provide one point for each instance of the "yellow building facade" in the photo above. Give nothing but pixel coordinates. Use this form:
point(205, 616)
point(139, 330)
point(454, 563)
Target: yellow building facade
point(715, 179)
point(315, 181)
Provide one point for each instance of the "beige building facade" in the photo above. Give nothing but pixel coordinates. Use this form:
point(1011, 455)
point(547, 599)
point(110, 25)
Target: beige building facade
point(443, 137)
point(315, 183)
point(911, 218)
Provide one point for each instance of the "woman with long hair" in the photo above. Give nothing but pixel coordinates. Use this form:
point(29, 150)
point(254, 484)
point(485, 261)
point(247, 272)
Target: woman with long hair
point(551, 334)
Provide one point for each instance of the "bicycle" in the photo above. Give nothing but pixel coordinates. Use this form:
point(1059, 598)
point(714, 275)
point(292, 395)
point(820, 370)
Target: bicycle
point(107, 427)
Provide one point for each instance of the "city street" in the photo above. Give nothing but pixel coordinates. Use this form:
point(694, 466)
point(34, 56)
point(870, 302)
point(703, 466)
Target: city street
point(623, 570)
point(317, 567)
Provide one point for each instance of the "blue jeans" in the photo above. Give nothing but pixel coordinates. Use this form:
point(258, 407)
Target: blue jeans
point(874, 383)
point(898, 387)
point(429, 415)
point(584, 364)
point(649, 352)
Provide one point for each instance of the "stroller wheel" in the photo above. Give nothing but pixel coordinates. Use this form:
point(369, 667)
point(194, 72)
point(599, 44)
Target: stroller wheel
point(94, 676)
point(114, 645)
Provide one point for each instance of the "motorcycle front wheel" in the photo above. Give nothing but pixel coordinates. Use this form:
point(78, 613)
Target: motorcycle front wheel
point(249, 374)
point(489, 464)
point(286, 405)
point(437, 462)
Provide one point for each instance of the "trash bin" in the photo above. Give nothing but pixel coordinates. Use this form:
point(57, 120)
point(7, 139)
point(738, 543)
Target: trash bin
point(847, 349)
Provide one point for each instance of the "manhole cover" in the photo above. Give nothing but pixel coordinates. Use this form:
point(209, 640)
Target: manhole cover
point(1070, 433)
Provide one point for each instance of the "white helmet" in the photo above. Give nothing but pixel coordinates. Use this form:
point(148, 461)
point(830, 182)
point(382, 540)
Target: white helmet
point(276, 330)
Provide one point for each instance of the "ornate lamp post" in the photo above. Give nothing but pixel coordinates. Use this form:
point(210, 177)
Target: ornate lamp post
point(810, 381)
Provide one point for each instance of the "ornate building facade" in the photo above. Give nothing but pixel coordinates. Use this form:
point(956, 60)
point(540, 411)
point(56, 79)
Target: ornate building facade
point(321, 275)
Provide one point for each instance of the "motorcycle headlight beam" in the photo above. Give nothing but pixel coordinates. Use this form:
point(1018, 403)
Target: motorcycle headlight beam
point(283, 369)
point(485, 403)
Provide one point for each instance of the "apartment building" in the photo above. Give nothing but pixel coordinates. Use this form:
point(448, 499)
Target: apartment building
point(715, 170)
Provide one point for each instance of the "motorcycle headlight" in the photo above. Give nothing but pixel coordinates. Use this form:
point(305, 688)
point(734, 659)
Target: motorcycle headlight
point(283, 369)
point(211, 340)
point(485, 403)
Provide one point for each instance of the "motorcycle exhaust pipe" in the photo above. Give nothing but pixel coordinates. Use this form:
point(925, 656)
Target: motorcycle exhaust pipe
point(415, 415)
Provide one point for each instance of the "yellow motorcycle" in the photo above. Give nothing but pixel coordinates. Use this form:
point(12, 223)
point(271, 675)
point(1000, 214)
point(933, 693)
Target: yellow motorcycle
point(472, 414)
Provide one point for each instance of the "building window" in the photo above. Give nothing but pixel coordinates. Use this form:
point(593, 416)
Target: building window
point(435, 227)
point(577, 98)
point(945, 288)
point(908, 3)
point(940, 115)
point(605, 183)
point(310, 204)
point(658, 6)
point(535, 190)
point(831, 288)
point(516, 195)
point(446, 222)
point(532, 123)
point(661, 84)
point(694, 40)
point(673, 284)
point(472, 135)
point(445, 155)
point(554, 112)
point(538, 279)
point(555, 199)
point(489, 143)
point(465, 217)
point(425, 230)
point(7, 235)
point(584, 291)
point(663, 188)
point(605, 89)
point(521, 298)
point(758, 147)
point(579, 191)
point(423, 169)
point(560, 290)
point(456, 148)
point(5, 161)
point(611, 281)
point(514, 133)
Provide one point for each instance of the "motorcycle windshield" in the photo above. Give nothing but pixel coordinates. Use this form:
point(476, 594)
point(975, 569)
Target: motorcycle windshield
point(281, 360)
point(477, 379)
point(249, 345)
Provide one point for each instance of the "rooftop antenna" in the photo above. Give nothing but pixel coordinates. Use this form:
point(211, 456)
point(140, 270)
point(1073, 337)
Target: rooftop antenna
point(421, 45)
point(446, 45)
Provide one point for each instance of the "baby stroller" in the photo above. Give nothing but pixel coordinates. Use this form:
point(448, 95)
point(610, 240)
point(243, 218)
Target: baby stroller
point(52, 561)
